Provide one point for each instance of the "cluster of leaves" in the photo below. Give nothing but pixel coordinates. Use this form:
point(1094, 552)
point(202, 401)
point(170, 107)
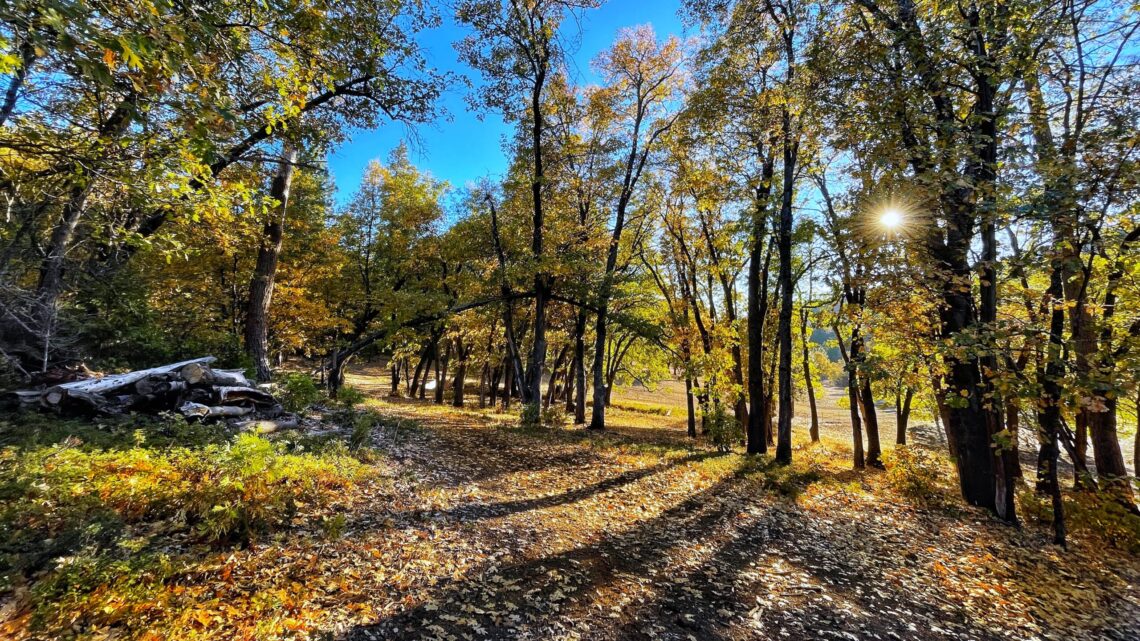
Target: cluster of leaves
point(1092, 514)
point(918, 474)
point(722, 429)
point(298, 391)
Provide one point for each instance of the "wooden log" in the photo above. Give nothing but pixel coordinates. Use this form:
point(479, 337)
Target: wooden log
point(190, 409)
point(59, 398)
point(196, 373)
point(230, 395)
point(217, 411)
point(231, 378)
point(159, 384)
point(115, 382)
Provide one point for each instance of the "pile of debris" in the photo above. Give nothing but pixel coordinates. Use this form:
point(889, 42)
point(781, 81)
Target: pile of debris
point(192, 388)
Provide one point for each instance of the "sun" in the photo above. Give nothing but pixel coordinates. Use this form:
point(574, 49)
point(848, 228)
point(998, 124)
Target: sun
point(891, 218)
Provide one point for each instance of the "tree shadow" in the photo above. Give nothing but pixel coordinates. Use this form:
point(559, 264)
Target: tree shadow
point(500, 601)
point(476, 512)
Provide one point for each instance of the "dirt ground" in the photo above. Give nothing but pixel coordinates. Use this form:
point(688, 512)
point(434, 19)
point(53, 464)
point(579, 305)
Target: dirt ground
point(509, 534)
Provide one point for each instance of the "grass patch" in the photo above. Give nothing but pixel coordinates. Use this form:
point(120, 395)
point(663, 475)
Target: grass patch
point(642, 408)
point(94, 487)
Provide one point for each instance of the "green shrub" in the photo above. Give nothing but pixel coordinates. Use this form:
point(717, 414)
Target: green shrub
point(349, 397)
point(916, 474)
point(554, 416)
point(362, 426)
point(530, 416)
point(253, 486)
point(722, 428)
point(298, 391)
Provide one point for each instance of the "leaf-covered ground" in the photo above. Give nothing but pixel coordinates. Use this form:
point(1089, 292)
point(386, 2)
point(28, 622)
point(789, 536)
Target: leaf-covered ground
point(481, 530)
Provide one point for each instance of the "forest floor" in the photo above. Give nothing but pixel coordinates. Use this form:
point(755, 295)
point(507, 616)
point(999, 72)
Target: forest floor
point(476, 529)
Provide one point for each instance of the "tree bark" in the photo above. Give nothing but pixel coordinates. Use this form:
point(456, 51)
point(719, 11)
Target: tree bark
point(460, 380)
point(902, 415)
point(441, 372)
point(265, 272)
point(814, 430)
point(756, 436)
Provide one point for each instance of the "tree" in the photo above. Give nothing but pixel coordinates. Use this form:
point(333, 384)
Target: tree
point(516, 46)
point(644, 81)
point(139, 109)
point(264, 274)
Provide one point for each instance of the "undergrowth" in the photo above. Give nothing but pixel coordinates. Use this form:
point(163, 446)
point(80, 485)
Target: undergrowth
point(94, 486)
point(1093, 514)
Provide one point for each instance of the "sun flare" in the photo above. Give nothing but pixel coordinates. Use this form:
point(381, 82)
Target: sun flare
point(891, 218)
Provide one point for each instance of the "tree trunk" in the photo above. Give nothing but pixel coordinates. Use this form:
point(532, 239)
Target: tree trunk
point(1013, 426)
point(814, 430)
point(508, 386)
point(902, 416)
point(493, 393)
point(856, 423)
point(784, 326)
point(532, 386)
point(264, 274)
point(483, 386)
point(552, 385)
point(460, 381)
point(691, 415)
point(417, 381)
point(441, 373)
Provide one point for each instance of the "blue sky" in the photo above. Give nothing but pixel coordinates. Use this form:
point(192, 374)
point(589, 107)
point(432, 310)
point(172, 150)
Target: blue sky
point(464, 148)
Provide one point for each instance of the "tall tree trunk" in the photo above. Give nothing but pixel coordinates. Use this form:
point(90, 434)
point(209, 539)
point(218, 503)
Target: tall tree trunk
point(441, 373)
point(867, 399)
point(856, 423)
point(690, 411)
point(571, 380)
point(758, 434)
point(1013, 427)
point(902, 416)
point(508, 385)
point(532, 385)
point(552, 385)
point(493, 393)
point(483, 386)
point(416, 380)
point(460, 381)
point(1049, 412)
point(514, 360)
point(265, 272)
point(814, 430)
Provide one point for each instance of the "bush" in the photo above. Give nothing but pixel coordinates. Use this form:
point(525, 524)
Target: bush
point(530, 416)
point(916, 474)
point(362, 426)
point(349, 397)
point(298, 391)
point(554, 416)
point(722, 429)
point(54, 500)
point(1096, 514)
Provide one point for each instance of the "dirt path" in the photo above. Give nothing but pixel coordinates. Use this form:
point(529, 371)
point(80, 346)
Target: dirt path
point(497, 533)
